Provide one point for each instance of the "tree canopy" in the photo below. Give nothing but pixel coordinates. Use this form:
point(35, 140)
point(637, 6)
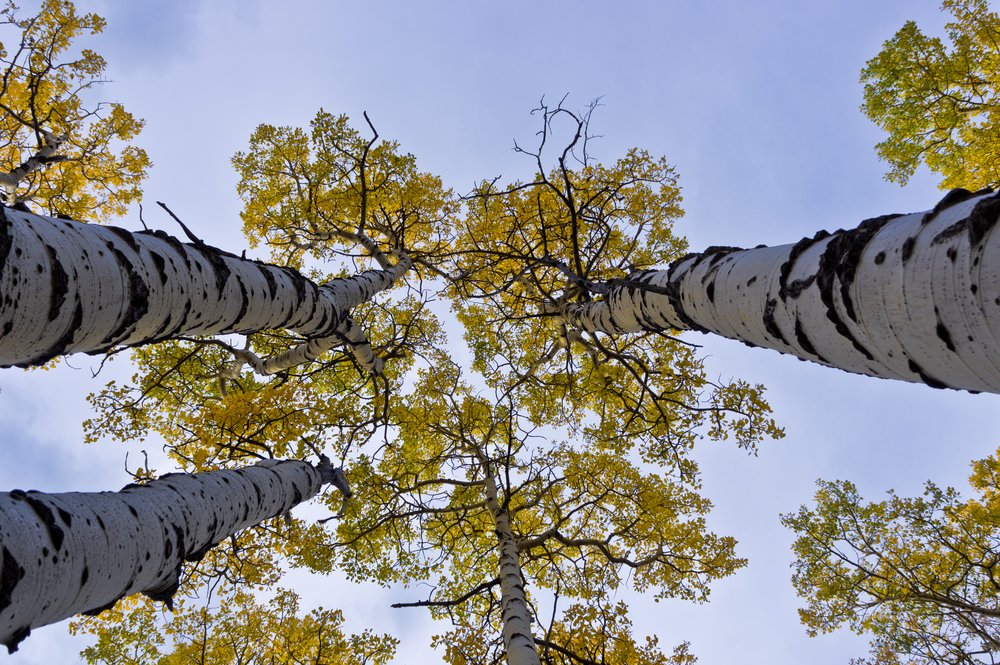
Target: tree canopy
point(919, 574)
point(440, 464)
point(938, 99)
point(229, 625)
point(531, 485)
point(62, 148)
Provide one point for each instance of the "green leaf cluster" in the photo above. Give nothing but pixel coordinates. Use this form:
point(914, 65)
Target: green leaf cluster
point(48, 85)
point(938, 99)
point(921, 575)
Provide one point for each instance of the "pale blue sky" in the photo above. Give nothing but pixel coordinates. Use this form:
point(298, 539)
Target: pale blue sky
point(755, 103)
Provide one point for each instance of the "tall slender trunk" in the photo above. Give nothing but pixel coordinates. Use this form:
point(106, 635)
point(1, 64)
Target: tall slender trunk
point(63, 554)
point(913, 297)
point(517, 637)
point(362, 287)
point(67, 287)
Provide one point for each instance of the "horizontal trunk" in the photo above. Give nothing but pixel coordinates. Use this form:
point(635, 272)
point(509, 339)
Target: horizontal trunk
point(65, 554)
point(912, 297)
point(67, 287)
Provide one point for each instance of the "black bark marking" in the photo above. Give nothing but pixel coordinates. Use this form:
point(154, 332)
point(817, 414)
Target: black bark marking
point(796, 288)
point(219, 266)
point(94, 611)
point(926, 378)
point(908, 248)
point(174, 243)
point(804, 341)
point(60, 344)
point(5, 240)
point(272, 284)
point(848, 246)
point(10, 574)
point(326, 318)
point(672, 290)
point(244, 300)
point(60, 284)
point(825, 278)
point(718, 252)
point(953, 197)
point(979, 222)
point(786, 267)
point(770, 324)
point(710, 292)
point(161, 266)
point(84, 576)
point(161, 333)
point(45, 516)
point(182, 321)
point(853, 244)
point(198, 554)
point(179, 534)
point(951, 253)
point(16, 638)
point(751, 280)
point(982, 218)
point(299, 283)
point(950, 232)
point(945, 336)
point(126, 236)
point(137, 297)
point(165, 594)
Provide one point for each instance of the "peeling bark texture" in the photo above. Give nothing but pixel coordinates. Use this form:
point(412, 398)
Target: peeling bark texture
point(912, 297)
point(72, 553)
point(517, 638)
point(67, 287)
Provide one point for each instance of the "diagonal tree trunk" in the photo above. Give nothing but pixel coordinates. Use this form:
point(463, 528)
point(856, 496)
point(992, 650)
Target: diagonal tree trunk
point(67, 287)
point(63, 554)
point(913, 297)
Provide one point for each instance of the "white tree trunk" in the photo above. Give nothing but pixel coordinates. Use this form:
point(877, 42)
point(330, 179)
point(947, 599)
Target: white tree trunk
point(63, 554)
point(68, 287)
point(347, 334)
point(913, 297)
point(517, 637)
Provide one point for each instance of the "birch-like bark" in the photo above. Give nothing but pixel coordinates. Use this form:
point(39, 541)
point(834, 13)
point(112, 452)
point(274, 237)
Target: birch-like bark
point(67, 287)
point(46, 155)
point(517, 637)
point(912, 297)
point(364, 286)
point(65, 554)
